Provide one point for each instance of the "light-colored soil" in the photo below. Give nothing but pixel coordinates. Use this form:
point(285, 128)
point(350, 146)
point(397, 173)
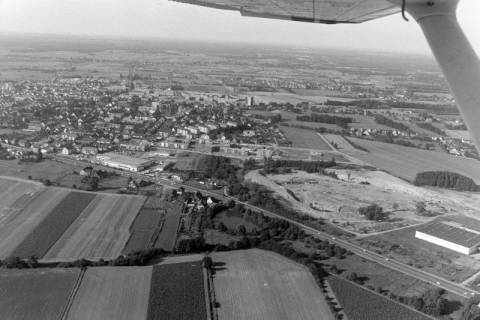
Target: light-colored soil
point(256, 284)
point(101, 230)
point(340, 199)
point(22, 217)
point(112, 293)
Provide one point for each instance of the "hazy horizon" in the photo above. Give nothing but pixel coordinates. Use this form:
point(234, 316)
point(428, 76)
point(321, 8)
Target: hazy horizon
point(165, 20)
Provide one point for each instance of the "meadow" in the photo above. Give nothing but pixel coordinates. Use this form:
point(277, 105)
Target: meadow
point(406, 162)
point(303, 138)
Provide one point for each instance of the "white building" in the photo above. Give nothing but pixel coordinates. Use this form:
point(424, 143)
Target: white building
point(451, 235)
point(123, 162)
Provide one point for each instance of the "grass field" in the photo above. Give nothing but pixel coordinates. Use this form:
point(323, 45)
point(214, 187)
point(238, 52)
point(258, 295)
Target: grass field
point(256, 284)
point(405, 162)
point(362, 304)
point(39, 241)
point(302, 138)
point(143, 230)
point(112, 293)
point(376, 275)
point(101, 230)
point(40, 294)
point(177, 292)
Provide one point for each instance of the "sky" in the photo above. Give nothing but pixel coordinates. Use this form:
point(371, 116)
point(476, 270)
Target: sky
point(170, 20)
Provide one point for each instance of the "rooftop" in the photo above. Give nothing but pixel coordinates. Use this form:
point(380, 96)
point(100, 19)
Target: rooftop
point(123, 159)
point(453, 231)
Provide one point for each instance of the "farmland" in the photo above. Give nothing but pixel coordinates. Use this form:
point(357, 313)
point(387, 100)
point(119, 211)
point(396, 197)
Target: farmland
point(177, 292)
point(167, 237)
point(40, 294)
point(406, 162)
point(54, 225)
point(256, 284)
point(112, 293)
point(302, 138)
point(144, 230)
point(101, 230)
point(15, 228)
point(362, 304)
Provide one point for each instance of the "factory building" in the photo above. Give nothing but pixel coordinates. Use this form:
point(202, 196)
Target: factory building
point(119, 161)
point(452, 235)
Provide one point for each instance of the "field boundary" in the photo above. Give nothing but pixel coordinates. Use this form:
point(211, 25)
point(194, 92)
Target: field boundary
point(73, 294)
point(208, 295)
point(158, 229)
point(379, 295)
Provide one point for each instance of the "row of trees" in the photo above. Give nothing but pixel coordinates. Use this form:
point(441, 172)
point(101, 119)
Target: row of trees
point(431, 127)
point(447, 180)
point(380, 119)
point(273, 166)
point(326, 118)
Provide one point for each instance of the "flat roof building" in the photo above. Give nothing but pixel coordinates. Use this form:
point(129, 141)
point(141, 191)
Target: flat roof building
point(123, 162)
point(452, 235)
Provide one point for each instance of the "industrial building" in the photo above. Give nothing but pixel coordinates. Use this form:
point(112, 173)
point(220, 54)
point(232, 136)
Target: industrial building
point(123, 162)
point(452, 235)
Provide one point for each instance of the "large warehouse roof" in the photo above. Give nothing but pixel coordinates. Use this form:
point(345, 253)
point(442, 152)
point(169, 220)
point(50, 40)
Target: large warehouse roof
point(453, 232)
point(126, 160)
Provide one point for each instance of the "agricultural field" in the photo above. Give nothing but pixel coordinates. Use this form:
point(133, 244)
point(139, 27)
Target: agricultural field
point(40, 294)
point(302, 138)
point(101, 230)
point(118, 293)
point(15, 195)
point(54, 225)
point(361, 304)
point(177, 292)
point(341, 143)
point(19, 223)
point(257, 284)
point(406, 162)
point(60, 174)
point(168, 236)
point(402, 246)
point(144, 230)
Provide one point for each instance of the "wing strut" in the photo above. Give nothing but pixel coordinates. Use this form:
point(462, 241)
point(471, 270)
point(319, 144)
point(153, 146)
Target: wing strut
point(455, 55)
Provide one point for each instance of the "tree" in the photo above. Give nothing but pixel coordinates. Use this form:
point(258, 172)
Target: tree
point(420, 207)
point(207, 262)
point(242, 230)
point(352, 276)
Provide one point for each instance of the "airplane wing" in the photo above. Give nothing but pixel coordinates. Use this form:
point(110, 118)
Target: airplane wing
point(320, 11)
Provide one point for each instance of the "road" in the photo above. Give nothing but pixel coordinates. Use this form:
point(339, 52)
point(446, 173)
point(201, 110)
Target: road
point(435, 280)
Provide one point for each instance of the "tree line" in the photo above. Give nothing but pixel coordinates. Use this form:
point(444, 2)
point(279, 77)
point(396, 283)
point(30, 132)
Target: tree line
point(447, 180)
point(326, 118)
